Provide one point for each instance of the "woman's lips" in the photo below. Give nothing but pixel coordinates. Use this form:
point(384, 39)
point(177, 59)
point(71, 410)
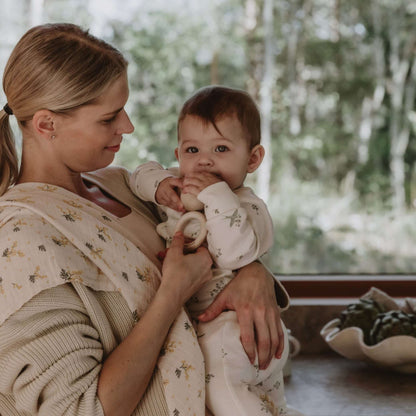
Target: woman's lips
point(114, 149)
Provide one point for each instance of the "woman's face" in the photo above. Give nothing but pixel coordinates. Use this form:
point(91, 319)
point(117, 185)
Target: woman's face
point(90, 137)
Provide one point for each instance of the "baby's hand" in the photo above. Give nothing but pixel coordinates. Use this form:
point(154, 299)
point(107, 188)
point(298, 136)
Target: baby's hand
point(166, 194)
point(196, 182)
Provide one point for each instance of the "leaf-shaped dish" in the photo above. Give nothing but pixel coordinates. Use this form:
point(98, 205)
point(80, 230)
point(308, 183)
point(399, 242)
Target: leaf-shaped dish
point(397, 353)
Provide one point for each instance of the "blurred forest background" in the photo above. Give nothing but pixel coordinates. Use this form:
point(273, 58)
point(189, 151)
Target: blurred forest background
point(336, 84)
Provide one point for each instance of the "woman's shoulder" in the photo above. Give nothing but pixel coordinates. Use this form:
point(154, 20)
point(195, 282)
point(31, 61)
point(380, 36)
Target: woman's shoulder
point(111, 176)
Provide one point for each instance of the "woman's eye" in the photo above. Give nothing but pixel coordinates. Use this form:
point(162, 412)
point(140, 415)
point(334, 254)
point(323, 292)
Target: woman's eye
point(109, 120)
point(191, 149)
point(221, 148)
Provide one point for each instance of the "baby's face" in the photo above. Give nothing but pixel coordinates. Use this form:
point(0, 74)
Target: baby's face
point(203, 149)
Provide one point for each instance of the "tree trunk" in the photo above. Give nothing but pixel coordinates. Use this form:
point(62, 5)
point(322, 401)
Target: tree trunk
point(250, 25)
point(371, 105)
point(292, 46)
point(264, 174)
point(401, 92)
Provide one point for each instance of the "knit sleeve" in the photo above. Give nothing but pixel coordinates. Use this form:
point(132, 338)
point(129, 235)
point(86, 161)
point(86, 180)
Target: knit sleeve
point(51, 356)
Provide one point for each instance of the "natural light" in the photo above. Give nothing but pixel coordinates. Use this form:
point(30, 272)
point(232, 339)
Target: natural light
point(336, 86)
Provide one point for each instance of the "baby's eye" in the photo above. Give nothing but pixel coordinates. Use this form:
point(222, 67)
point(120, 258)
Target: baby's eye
point(191, 149)
point(221, 148)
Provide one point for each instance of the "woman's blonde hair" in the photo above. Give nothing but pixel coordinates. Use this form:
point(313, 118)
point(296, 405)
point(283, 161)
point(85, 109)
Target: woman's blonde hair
point(59, 67)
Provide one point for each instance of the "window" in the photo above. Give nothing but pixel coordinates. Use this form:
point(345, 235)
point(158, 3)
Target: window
point(336, 84)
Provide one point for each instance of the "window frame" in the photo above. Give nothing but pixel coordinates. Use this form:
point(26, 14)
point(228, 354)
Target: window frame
point(336, 288)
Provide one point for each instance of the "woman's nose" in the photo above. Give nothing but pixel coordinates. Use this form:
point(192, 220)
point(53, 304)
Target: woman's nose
point(126, 125)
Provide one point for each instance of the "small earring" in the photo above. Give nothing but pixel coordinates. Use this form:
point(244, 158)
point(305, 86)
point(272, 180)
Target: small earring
point(53, 137)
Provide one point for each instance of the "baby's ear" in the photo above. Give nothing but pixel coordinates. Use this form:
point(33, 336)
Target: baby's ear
point(256, 157)
point(177, 153)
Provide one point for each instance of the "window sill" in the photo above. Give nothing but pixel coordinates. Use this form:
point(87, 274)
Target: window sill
point(342, 288)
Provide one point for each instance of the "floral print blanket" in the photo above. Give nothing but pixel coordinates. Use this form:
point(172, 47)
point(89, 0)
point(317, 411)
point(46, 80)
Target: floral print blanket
point(50, 236)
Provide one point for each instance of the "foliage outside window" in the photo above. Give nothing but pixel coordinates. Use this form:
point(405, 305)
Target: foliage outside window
point(335, 81)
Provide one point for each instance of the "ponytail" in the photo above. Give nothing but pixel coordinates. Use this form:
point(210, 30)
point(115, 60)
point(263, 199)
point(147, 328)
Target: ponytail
point(8, 156)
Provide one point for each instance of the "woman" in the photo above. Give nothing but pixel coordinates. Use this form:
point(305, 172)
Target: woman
point(90, 322)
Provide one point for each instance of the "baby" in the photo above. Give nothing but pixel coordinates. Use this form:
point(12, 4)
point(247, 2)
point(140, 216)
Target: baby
point(218, 144)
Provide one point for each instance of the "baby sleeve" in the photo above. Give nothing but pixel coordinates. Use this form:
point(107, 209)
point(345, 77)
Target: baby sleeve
point(146, 178)
point(240, 229)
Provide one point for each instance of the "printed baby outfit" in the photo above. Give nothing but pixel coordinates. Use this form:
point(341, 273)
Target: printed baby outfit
point(240, 231)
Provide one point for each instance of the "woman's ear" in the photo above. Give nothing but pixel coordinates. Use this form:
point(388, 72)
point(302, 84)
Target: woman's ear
point(43, 123)
point(256, 157)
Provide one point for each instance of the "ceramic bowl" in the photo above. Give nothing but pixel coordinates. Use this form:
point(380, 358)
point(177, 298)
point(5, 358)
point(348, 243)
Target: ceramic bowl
point(397, 353)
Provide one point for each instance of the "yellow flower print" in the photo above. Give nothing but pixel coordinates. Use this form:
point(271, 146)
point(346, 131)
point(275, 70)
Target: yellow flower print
point(73, 203)
point(95, 252)
point(184, 368)
point(36, 275)
point(143, 276)
point(12, 251)
point(25, 199)
point(70, 215)
point(16, 286)
point(168, 347)
point(1, 286)
point(267, 405)
point(71, 275)
point(102, 233)
point(61, 242)
point(17, 225)
point(47, 188)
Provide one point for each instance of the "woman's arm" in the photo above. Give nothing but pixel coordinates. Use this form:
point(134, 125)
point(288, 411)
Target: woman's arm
point(252, 295)
point(127, 371)
point(50, 357)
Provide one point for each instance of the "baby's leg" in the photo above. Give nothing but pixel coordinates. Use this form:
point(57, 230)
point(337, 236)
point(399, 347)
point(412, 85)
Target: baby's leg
point(272, 387)
point(234, 385)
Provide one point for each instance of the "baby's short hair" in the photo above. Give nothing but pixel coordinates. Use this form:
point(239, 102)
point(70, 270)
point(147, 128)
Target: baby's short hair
point(214, 102)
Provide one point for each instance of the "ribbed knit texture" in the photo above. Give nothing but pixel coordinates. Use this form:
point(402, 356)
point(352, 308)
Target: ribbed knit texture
point(51, 352)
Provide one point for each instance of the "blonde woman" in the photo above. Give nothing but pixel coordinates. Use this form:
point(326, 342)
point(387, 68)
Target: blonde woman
point(90, 322)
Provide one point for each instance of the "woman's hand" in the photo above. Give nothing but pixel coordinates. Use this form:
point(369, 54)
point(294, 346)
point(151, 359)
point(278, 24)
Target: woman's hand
point(184, 274)
point(252, 295)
